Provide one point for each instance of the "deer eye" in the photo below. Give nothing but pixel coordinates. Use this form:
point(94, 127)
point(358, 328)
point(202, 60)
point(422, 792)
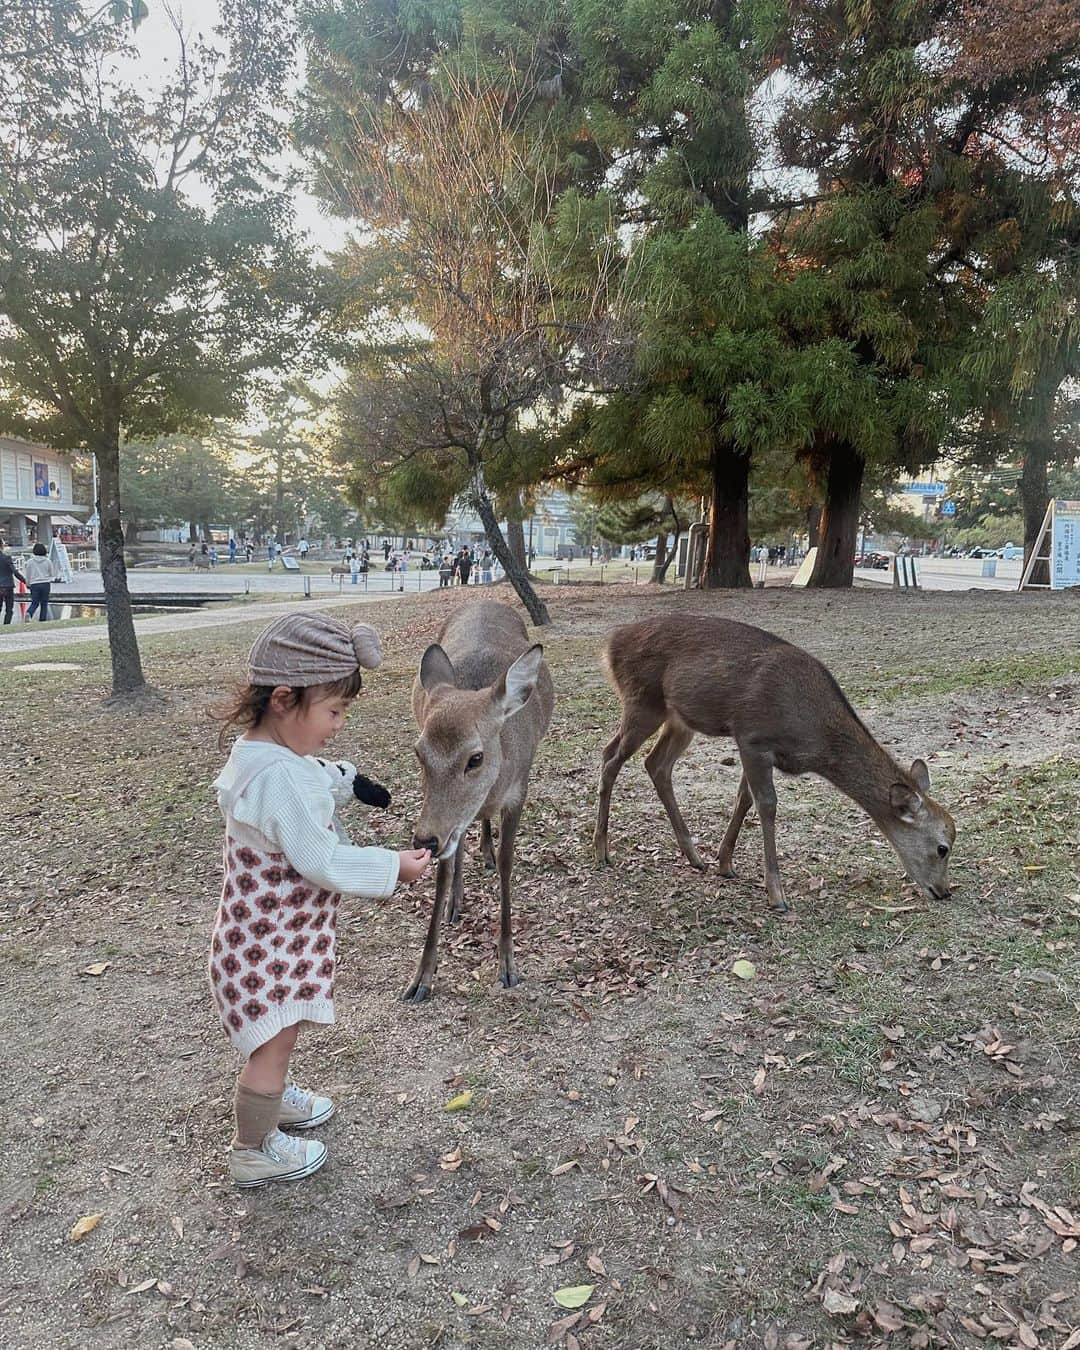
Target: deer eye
point(475, 761)
point(943, 850)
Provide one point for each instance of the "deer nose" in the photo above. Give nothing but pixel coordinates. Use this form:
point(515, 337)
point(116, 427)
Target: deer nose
point(431, 843)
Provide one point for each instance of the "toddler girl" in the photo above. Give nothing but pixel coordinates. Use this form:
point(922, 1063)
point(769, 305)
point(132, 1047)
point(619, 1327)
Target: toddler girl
point(287, 861)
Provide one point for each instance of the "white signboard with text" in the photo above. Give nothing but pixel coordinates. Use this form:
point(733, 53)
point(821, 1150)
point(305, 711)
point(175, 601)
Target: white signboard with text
point(1065, 545)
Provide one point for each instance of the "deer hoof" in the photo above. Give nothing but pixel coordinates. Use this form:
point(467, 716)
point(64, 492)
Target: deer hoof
point(698, 864)
point(728, 873)
point(453, 912)
point(509, 978)
point(780, 907)
point(417, 992)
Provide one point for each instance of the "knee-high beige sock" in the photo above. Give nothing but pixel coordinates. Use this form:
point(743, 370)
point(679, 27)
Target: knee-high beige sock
point(256, 1115)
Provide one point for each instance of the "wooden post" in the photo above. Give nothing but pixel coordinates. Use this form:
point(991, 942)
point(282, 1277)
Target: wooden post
point(1045, 535)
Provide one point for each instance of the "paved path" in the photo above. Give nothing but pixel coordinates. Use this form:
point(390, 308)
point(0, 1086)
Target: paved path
point(40, 636)
point(952, 574)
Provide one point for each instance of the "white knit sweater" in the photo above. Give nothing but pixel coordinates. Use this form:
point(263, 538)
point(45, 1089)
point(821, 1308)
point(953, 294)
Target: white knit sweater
point(278, 801)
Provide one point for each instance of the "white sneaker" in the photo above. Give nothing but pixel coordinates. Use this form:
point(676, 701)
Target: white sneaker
point(302, 1110)
point(281, 1158)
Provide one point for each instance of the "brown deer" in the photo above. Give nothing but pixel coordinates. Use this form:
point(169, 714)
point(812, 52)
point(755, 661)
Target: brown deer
point(784, 711)
point(482, 700)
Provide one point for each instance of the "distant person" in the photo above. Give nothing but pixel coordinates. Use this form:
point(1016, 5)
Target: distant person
point(204, 550)
point(232, 549)
point(213, 556)
point(191, 556)
point(40, 575)
point(386, 550)
point(446, 570)
point(485, 567)
point(403, 568)
point(9, 574)
point(464, 565)
point(303, 547)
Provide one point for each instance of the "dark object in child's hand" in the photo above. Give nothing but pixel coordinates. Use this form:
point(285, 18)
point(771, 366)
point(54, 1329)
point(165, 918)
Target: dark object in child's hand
point(369, 792)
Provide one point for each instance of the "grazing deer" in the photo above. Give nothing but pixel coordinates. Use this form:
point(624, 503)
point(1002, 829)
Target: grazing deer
point(482, 700)
point(784, 711)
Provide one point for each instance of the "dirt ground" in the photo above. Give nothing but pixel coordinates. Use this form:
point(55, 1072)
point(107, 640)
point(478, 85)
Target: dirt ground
point(873, 1140)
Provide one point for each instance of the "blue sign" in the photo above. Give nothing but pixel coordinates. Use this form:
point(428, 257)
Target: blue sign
point(948, 508)
point(924, 489)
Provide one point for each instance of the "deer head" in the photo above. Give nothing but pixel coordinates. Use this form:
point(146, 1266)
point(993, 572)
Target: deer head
point(460, 746)
point(921, 832)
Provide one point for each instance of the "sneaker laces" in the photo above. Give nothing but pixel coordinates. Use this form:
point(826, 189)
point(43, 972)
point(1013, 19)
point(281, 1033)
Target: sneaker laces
point(297, 1096)
point(284, 1148)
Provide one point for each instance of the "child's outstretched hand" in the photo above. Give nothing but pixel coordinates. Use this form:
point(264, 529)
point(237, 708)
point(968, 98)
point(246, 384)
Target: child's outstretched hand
point(413, 863)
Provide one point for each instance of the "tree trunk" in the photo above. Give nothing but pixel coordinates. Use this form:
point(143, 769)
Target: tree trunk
point(515, 572)
point(1034, 495)
point(835, 562)
point(727, 544)
point(127, 675)
point(662, 559)
point(813, 526)
point(515, 539)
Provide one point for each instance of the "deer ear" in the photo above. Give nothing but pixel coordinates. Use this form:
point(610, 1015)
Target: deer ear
point(515, 688)
point(436, 668)
point(906, 802)
point(921, 774)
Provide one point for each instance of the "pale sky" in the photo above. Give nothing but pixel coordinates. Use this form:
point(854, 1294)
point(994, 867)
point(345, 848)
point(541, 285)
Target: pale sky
point(156, 43)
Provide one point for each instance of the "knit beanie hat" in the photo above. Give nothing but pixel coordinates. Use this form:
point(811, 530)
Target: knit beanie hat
point(300, 650)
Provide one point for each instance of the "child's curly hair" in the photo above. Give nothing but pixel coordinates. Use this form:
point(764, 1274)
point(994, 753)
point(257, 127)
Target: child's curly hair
point(249, 703)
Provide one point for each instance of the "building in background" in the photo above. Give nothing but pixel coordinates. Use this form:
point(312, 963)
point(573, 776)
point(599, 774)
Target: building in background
point(36, 499)
point(549, 531)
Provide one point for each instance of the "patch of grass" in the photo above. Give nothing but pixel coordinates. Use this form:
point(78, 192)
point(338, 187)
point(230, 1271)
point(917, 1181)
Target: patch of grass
point(1023, 668)
point(794, 1195)
point(853, 1049)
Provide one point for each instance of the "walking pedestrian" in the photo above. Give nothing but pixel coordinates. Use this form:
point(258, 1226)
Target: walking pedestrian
point(232, 548)
point(287, 863)
point(9, 574)
point(40, 574)
point(403, 567)
point(303, 547)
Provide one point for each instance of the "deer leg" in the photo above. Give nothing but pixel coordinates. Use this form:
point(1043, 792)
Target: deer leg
point(743, 803)
point(508, 825)
point(455, 901)
point(760, 779)
point(487, 846)
point(637, 726)
point(424, 980)
point(659, 762)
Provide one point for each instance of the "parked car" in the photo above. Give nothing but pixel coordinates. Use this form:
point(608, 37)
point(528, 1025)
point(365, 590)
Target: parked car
point(878, 560)
point(1009, 552)
point(982, 553)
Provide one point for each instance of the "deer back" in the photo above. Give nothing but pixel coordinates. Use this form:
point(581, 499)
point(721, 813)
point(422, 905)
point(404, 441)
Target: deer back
point(724, 678)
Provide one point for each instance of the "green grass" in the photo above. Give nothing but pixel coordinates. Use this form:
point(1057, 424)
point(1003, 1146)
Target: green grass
point(957, 675)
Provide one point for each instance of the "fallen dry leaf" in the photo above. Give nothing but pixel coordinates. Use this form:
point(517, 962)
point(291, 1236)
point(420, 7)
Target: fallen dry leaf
point(98, 968)
point(461, 1102)
point(574, 1295)
point(85, 1225)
